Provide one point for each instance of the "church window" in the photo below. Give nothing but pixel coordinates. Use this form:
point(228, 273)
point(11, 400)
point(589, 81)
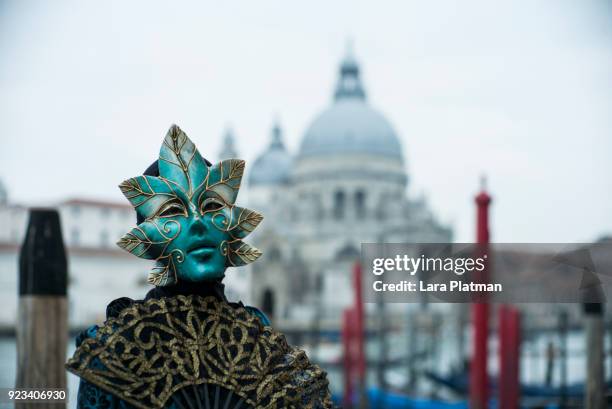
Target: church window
point(339, 204)
point(360, 203)
point(267, 303)
point(75, 237)
point(318, 206)
point(274, 254)
point(104, 238)
point(104, 212)
point(381, 213)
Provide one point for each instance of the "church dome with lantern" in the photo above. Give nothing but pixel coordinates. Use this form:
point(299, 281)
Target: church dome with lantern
point(345, 136)
point(350, 124)
point(273, 165)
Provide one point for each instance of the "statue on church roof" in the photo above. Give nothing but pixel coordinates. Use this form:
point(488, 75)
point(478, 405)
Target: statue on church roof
point(228, 147)
point(185, 345)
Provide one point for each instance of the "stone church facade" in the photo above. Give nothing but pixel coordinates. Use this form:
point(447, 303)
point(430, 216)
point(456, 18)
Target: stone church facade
point(345, 186)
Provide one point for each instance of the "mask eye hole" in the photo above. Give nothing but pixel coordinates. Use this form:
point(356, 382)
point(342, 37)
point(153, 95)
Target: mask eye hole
point(171, 209)
point(211, 204)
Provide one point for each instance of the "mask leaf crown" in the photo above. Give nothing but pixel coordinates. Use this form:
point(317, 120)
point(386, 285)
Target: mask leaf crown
point(185, 178)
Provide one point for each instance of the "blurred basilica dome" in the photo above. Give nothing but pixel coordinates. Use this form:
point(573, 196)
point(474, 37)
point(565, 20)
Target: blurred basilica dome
point(350, 124)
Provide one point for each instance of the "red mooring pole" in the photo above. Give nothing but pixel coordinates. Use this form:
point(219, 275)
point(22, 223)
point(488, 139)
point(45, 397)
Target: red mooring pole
point(479, 385)
point(353, 342)
point(347, 338)
point(509, 342)
point(359, 327)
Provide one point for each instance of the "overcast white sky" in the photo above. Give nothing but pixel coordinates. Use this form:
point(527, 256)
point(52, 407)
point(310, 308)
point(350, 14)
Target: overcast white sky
point(519, 90)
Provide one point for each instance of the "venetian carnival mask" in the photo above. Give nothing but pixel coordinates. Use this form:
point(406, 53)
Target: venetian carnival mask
point(191, 228)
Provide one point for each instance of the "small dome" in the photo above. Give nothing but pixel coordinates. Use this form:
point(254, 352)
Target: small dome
point(272, 166)
point(350, 125)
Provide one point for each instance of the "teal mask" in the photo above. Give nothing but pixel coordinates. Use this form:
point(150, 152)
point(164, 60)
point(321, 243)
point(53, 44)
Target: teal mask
point(191, 227)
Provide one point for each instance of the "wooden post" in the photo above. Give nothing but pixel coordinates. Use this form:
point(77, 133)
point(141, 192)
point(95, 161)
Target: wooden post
point(550, 363)
point(412, 351)
point(509, 355)
point(381, 366)
point(563, 327)
point(594, 394)
point(42, 330)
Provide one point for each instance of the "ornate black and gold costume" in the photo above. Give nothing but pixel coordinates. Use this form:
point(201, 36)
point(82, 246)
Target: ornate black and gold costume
point(177, 344)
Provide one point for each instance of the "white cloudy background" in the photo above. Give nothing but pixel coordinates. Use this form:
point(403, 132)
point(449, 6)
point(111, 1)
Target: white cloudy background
point(519, 90)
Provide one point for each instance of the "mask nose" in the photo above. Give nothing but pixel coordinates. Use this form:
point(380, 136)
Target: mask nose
point(198, 227)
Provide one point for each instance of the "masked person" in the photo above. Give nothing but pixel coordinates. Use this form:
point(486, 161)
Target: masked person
point(184, 345)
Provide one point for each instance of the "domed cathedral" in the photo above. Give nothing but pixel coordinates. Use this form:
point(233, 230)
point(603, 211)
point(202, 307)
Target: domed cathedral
point(347, 185)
